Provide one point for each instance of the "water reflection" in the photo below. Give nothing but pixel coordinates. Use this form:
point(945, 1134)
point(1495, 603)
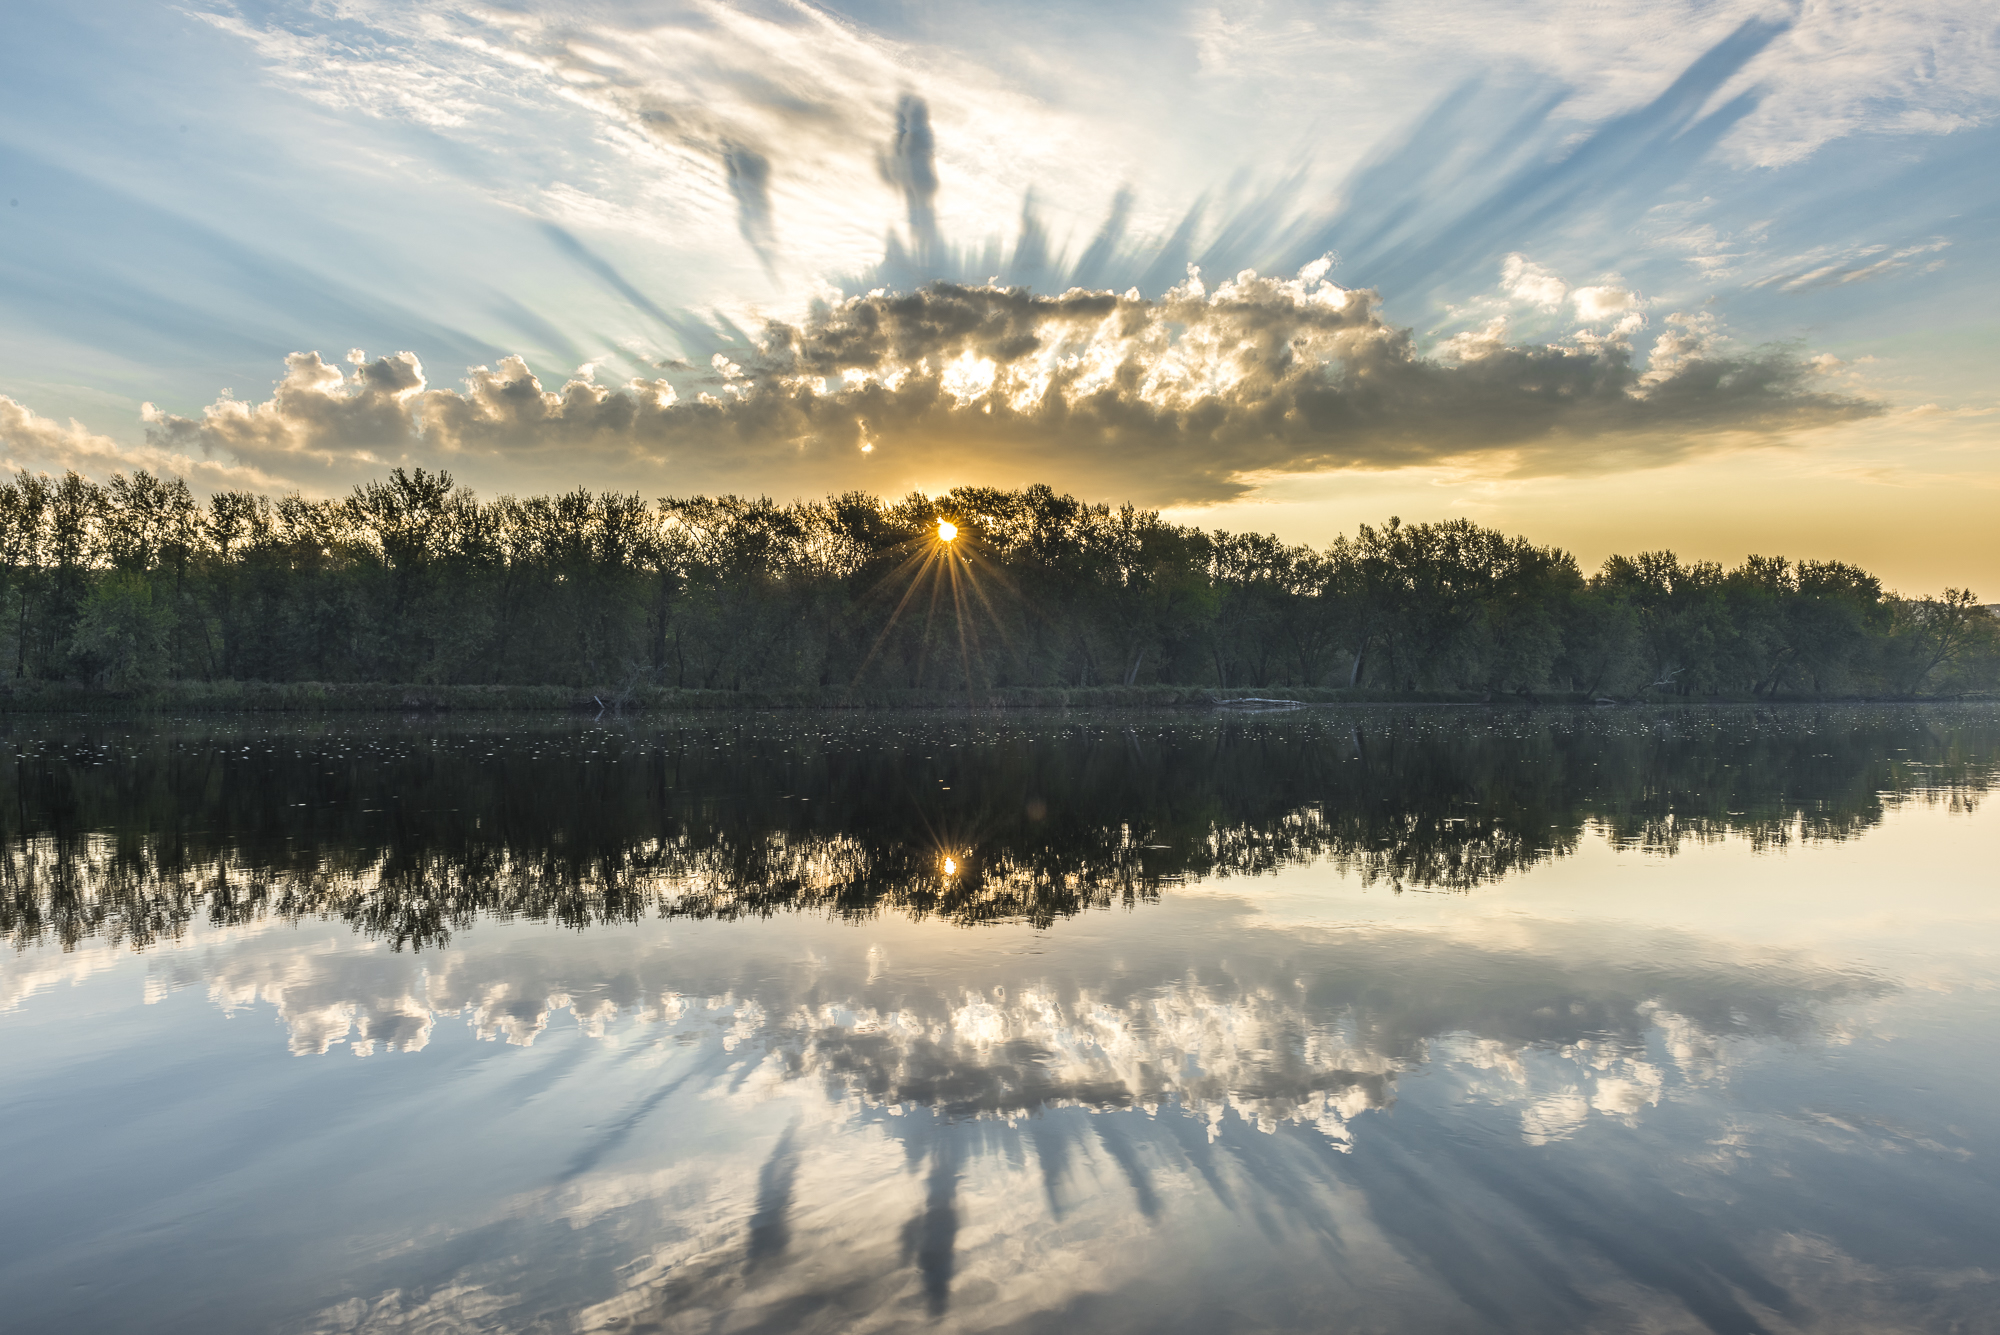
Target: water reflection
point(832, 1129)
point(803, 1076)
point(1267, 1028)
point(413, 833)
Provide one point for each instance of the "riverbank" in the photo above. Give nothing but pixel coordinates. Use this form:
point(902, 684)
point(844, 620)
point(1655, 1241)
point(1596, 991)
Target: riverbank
point(230, 697)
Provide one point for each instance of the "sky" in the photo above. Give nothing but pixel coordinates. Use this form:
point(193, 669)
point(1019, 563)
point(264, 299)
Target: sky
point(1719, 277)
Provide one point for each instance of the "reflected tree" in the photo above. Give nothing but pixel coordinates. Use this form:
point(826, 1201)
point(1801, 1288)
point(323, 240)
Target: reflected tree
point(413, 835)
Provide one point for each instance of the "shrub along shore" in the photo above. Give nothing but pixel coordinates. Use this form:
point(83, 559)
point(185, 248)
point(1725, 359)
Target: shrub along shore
point(315, 697)
point(412, 593)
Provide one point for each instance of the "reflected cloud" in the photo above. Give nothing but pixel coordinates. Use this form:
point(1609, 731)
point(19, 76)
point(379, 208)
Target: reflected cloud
point(923, 1134)
point(809, 1083)
point(1261, 1028)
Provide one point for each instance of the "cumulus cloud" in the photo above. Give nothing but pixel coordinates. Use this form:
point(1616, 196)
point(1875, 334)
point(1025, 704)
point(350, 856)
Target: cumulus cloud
point(40, 444)
point(1595, 305)
point(1177, 399)
point(1526, 281)
point(318, 418)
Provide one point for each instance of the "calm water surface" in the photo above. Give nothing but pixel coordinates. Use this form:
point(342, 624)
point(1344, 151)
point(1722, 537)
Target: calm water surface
point(1369, 1020)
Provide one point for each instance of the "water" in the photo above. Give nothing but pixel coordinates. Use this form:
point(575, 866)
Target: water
point(1365, 1020)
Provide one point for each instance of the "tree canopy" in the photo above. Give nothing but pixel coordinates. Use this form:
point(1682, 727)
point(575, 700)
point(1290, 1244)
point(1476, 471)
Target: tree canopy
point(413, 579)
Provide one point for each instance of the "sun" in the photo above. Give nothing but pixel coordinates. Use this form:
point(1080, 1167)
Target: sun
point(951, 866)
point(946, 530)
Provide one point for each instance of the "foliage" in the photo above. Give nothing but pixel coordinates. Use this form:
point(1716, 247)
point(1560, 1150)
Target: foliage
point(135, 586)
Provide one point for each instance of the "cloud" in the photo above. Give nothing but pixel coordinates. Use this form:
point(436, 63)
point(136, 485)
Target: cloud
point(1503, 163)
point(1170, 400)
point(749, 175)
point(675, 127)
point(318, 419)
point(816, 1116)
point(1526, 281)
point(670, 91)
point(658, 151)
point(1855, 265)
point(1595, 305)
point(910, 165)
point(39, 444)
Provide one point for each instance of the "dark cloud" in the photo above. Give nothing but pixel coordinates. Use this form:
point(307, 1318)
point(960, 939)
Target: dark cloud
point(1171, 400)
point(1097, 256)
point(1033, 265)
point(1516, 176)
point(1493, 168)
point(910, 165)
point(749, 176)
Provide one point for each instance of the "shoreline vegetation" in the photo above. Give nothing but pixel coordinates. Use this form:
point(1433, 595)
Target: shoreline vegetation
point(412, 593)
point(316, 697)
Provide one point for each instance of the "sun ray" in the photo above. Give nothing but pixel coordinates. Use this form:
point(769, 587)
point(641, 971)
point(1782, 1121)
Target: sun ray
point(922, 559)
point(958, 615)
point(943, 558)
point(930, 616)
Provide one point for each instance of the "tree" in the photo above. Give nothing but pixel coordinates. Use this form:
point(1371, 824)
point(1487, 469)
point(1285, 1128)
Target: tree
point(414, 579)
point(1939, 636)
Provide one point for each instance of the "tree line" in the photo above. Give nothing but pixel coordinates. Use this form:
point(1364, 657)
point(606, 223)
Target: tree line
point(413, 579)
